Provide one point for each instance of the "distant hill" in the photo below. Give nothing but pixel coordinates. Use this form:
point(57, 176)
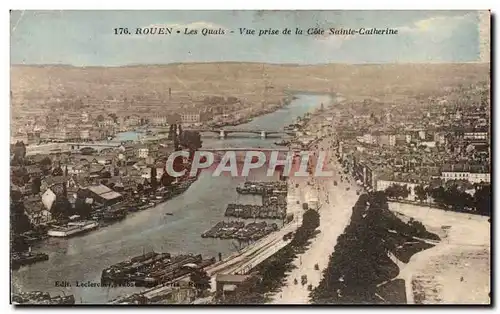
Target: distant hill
point(385, 81)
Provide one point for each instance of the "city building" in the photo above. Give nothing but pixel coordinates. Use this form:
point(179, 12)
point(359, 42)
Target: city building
point(479, 134)
point(85, 135)
point(473, 174)
point(85, 117)
point(142, 151)
point(104, 195)
point(160, 120)
point(190, 118)
point(133, 120)
point(392, 140)
point(36, 211)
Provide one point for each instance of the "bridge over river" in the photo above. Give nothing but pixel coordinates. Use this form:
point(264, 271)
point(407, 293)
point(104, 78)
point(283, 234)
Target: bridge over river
point(244, 149)
point(223, 133)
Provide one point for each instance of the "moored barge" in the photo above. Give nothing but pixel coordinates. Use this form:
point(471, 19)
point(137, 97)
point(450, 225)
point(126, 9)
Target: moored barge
point(72, 228)
point(40, 297)
point(152, 269)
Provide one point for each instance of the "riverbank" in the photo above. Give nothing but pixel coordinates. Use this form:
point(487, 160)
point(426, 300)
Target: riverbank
point(193, 212)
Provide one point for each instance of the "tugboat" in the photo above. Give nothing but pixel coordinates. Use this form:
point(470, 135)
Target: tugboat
point(19, 259)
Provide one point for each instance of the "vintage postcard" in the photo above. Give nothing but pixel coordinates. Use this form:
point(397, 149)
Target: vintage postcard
point(250, 157)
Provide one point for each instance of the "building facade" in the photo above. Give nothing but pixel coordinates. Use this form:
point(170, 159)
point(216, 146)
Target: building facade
point(190, 118)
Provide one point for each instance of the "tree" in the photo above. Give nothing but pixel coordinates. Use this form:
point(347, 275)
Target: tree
point(20, 176)
point(166, 179)
point(35, 185)
point(82, 208)
point(45, 164)
point(452, 197)
point(201, 280)
point(57, 171)
point(105, 175)
point(140, 187)
point(421, 192)
point(113, 116)
point(154, 181)
point(404, 192)
point(310, 221)
point(60, 208)
point(482, 200)
point(397, 191)
point(180, 130)
point(18, 218)
point(19, 152)
point(171, 132)
point(191, 140)
point(438, 194)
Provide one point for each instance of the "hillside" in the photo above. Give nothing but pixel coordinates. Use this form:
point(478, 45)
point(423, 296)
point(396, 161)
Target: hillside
point(388, 81)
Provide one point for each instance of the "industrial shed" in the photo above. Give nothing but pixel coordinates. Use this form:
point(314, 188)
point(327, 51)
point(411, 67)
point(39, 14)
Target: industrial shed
point(104, 195)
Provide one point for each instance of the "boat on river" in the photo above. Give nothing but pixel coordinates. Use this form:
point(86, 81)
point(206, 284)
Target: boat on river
point(72, 228)
point(19, 259)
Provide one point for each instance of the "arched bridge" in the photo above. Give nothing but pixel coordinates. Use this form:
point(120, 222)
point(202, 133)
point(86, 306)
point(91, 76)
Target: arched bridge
point(224, 132)
point(245, 149)
point(98, 146)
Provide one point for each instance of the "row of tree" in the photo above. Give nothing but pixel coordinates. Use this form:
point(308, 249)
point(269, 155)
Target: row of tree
point(184, 138)
point(449, 197)
point(360, 261)
point(397, 191)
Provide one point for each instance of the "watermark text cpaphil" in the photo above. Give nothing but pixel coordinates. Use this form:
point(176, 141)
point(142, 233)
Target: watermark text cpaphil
point(241, 163)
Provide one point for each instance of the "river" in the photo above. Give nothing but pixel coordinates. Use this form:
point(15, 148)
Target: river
point(200, 207)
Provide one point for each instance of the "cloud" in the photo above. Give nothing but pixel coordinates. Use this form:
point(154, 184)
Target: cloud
point(441, 31)
point(435, 24)
point(333, 41)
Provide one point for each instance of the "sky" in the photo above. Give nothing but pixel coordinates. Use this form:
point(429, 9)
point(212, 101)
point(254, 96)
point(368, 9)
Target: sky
point(86, 38)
